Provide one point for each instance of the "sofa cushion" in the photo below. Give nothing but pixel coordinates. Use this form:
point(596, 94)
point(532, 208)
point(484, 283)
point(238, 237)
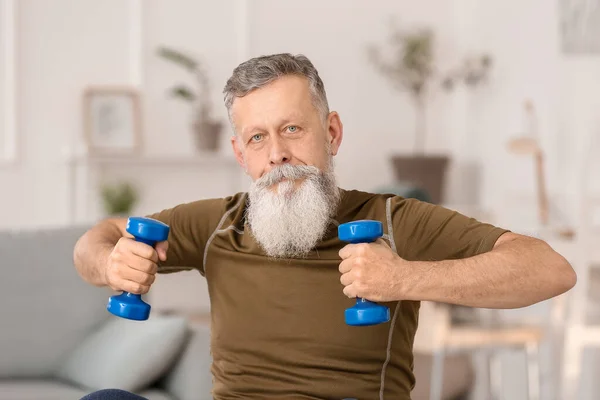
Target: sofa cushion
point(125, 354)
point(47, 307)
point(56, 390)
point(38, 390)
point(191, 378)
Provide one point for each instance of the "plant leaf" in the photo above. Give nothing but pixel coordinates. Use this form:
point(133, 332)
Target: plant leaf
point(178, 57)
point(183, 92)
point(119, 199)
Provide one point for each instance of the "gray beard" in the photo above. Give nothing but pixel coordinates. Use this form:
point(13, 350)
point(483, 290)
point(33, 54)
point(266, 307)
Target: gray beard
point(289, 222)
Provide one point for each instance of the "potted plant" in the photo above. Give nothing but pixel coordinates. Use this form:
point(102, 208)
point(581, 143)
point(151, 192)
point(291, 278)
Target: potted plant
point(119, 199)
point(206, 129)
point(412, 69)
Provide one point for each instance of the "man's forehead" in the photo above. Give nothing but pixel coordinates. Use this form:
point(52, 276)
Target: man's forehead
point(270, 112)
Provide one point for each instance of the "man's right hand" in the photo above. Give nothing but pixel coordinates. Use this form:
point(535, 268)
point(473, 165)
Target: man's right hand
point(132, 265)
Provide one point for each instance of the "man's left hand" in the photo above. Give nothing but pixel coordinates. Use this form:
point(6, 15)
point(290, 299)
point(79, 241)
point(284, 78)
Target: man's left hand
point(372, 271)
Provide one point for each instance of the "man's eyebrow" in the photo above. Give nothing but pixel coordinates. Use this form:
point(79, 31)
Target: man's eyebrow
point(296, 118)
point(249, 129)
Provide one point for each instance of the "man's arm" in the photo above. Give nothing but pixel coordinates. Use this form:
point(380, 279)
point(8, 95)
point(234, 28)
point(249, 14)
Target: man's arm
point(93, 249)
point(519, 271)
point(447, 257)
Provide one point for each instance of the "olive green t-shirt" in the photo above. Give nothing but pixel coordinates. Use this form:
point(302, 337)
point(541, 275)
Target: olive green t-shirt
point(277, 325)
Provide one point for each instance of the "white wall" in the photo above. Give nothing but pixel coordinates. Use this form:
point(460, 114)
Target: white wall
point(97, 44)
point(205, 30)
point(378, 120)
point(6, 95)
point(524, 38)
point(62, 47)
point(66, 45)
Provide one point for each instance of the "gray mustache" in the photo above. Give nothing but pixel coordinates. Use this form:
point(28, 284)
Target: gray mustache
point(286, 171)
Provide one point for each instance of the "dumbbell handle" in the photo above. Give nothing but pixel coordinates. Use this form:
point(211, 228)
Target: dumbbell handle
point(145, 241)
point(360, 300)
point(149, 242)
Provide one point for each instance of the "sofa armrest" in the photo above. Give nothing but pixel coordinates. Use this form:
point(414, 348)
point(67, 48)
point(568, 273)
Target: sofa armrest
point(191, 378)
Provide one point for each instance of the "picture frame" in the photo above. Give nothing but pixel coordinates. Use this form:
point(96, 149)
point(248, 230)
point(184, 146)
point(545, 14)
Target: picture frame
point(112, 120)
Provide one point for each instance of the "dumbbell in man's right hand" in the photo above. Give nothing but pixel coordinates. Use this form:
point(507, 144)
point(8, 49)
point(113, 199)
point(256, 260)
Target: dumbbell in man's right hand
point(132, 265)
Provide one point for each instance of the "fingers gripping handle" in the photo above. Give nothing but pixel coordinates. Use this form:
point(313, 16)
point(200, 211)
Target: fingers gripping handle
point(129, 305)
point(365, 312)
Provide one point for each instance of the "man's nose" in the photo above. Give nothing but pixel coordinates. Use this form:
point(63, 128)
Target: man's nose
point(279, 153)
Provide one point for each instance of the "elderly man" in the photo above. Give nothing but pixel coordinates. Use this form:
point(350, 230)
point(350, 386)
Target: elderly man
point(280, 278)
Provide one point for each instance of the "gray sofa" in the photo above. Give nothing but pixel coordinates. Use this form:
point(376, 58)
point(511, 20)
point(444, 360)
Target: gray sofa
point(57, 341)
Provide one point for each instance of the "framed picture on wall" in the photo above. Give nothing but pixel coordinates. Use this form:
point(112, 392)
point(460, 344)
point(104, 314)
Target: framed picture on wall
point(112, 120)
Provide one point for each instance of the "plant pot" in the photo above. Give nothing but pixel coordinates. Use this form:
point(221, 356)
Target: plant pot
point(426, 172)
point(207, 136)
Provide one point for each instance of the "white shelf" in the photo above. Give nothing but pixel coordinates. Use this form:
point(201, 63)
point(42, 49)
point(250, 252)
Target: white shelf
point(159, 160)
point(165, 179)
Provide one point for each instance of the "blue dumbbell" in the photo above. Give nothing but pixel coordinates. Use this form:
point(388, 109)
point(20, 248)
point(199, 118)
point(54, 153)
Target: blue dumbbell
point(128, 305)
point(364, 312)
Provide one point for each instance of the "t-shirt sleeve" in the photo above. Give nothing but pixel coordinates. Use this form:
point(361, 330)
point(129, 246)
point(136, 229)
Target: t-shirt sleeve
point(191, 225)
point(428, 232)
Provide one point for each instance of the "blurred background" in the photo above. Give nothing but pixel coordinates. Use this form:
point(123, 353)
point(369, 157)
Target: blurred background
point(115, 107)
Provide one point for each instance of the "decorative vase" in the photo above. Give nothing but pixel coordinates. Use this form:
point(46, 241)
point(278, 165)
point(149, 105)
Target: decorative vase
point(426, 172)
point(207, 135)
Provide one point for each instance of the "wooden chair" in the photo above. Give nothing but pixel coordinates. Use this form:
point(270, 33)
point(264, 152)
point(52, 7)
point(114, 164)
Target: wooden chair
point(439, 337)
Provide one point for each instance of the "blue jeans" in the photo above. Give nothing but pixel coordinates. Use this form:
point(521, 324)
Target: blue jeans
point(112, 394)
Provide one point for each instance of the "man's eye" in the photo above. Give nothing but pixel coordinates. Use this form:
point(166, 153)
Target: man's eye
point(257, 137)
point(292, 129)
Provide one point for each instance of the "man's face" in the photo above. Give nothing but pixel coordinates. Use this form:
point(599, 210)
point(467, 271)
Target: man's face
point(279, 124)
point(286, 147)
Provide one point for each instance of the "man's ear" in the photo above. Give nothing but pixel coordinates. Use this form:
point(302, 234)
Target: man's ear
point(237, 150)
point(335, 132)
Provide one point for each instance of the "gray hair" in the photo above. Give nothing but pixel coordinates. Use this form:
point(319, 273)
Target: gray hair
point(260, 71)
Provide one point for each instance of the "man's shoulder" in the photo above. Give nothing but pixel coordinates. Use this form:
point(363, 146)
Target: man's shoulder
point(210, 210)
point(223, 203)
point(382, 205)
point(363, 204)
point(355, 196)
